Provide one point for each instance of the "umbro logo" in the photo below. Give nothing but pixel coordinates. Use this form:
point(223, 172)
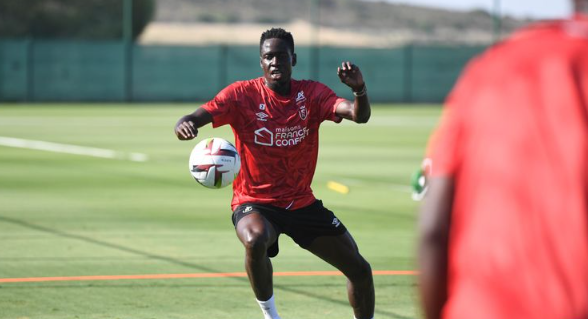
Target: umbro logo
point(262, 116)
point(300, 97)
point(336, 222)
point(247, 209)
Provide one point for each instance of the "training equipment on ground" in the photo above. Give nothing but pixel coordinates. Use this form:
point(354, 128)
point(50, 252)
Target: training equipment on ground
point(338, 187)
point(214, 163)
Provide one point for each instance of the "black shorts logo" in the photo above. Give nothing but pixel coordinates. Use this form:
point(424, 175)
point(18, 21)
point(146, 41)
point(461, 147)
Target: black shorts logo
point(336, 222)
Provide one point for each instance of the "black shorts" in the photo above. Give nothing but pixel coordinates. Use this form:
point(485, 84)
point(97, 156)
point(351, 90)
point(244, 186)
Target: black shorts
point(303, 225)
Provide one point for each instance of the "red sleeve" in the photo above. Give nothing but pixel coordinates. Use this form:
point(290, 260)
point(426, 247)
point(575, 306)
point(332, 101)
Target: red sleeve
point(443, 148)
point(221, 106)
point(328, 102)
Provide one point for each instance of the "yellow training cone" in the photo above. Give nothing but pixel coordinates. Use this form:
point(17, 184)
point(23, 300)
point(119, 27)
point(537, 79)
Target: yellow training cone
point(338, 187)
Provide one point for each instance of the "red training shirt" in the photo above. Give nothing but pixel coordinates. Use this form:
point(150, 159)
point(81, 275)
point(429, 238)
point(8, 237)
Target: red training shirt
point(514, 136)
point(276, 137)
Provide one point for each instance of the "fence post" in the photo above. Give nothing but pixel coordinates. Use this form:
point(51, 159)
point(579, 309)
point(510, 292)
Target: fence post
point(408, 73)
point(127, 27)
point(223, 68)
point(1, 70)
point(315, 17)
point(497, 20)
point(30, 70)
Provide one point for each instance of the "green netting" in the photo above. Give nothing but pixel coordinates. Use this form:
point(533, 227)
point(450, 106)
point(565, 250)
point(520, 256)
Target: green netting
point(168, 73)
point(113, 71)
point(434, 71)
point(14, 70)
point(78, 71)
point(242, 63)
point(383, 71)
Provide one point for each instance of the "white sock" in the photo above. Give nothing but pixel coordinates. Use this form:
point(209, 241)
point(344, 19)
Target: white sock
point(269, 308)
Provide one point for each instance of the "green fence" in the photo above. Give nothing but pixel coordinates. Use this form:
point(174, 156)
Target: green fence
point(114, 71)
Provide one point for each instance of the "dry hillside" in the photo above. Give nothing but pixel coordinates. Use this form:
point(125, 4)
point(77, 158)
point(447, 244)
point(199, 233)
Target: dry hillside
point(342, 22)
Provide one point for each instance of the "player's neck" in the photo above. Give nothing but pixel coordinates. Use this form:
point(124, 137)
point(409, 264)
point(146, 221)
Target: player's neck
point(280, 88)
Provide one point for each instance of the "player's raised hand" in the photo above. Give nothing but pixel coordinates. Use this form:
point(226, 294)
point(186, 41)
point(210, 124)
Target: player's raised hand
point(187, 127)
point(186, 130)
point(351, 76)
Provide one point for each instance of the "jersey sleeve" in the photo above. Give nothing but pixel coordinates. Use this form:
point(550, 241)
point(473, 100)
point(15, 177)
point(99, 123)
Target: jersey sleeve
point(443, 148)
point(223, 106)
point(328, 102)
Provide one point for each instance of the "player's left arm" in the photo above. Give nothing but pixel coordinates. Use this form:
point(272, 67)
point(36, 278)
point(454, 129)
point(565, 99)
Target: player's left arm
point(359, 111)
point(433, 247)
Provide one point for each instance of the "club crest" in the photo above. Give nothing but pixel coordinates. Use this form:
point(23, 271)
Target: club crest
point(303, 112)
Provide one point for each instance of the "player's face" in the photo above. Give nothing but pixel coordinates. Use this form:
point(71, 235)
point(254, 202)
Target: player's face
point(276, 61)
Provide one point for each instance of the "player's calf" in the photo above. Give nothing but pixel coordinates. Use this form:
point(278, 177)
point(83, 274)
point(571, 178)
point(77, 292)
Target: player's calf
point(361, 290)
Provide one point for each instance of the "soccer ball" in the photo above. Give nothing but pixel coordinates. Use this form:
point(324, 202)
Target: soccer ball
point(214, 163)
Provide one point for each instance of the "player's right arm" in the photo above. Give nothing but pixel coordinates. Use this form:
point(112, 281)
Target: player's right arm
point(445, 154)
point(187, 126)
point(359, 111)
point(433, 247)
point(219, 111)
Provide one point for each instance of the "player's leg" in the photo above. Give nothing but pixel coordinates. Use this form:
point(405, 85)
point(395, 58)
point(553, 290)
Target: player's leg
point(257, 235)
point(341, 251)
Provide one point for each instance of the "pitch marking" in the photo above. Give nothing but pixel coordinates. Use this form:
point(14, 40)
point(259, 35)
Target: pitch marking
point(201, 275)
point(71, 149)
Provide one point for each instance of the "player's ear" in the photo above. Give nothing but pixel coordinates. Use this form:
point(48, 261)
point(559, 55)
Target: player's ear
point(260, 64)
point(294, 59)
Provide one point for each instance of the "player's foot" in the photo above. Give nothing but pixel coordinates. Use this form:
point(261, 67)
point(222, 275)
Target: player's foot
point(268, 308)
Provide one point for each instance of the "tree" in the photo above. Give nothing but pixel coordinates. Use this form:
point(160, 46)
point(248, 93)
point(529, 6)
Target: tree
point(71, 19)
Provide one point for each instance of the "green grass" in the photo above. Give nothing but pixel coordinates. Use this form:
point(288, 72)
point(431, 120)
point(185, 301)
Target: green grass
point(72, 215)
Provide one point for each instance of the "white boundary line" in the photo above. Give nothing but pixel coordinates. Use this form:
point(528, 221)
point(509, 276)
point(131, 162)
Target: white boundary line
point(71, 149)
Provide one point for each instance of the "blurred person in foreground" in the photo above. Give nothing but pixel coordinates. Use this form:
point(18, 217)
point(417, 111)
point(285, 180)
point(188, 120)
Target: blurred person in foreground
point(275, 120)
point(504, 226)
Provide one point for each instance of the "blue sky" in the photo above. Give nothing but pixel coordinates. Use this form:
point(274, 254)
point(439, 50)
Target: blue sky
point(537, 9)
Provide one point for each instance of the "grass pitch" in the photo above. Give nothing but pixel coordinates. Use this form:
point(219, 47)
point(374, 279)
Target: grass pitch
point(74, 215)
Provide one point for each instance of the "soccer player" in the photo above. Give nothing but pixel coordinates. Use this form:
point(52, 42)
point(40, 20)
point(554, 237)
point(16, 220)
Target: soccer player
point(504, 226)
point(275, 120)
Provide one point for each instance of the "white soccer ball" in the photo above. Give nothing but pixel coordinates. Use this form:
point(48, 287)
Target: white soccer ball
point(214, 163)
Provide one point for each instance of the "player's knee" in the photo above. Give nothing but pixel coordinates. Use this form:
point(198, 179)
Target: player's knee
point(255, 243)
point(362, 272)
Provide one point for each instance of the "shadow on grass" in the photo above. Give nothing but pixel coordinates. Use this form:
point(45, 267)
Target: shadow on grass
point(308, 293)
point(145, 254)
point(141, 253)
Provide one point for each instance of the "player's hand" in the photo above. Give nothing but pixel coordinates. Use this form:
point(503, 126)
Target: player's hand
point(351, 76)
point(186, 130)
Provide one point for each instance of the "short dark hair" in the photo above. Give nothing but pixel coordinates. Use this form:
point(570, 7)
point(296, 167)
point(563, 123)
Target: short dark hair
point(277, 33)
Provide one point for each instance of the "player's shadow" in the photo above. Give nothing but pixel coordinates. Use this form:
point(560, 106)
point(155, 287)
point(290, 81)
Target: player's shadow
point(115, 246)
point(177, 262)
point(380, 313)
